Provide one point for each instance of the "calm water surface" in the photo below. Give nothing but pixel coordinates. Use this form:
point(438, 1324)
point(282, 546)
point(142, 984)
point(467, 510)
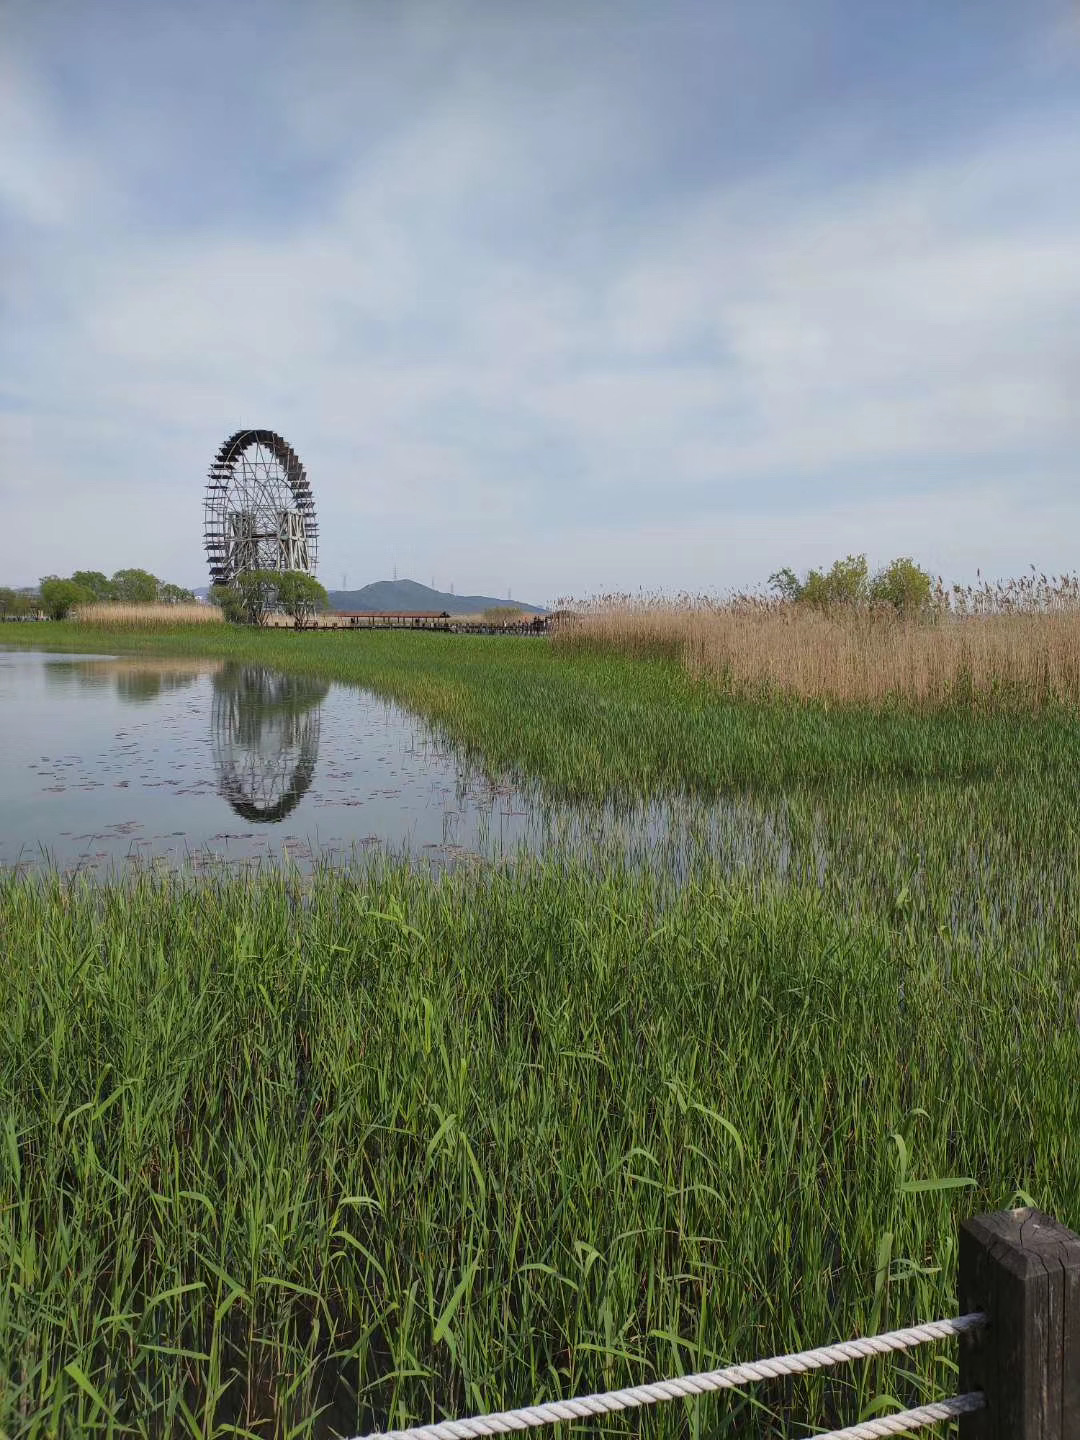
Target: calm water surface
point(107, 762)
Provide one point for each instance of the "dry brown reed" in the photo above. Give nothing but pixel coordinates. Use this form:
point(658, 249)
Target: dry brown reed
point(171, 668)
point(139, 617)
point(1015, 641)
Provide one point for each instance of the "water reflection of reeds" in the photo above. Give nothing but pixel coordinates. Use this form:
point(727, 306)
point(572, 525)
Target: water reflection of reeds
point(136, 679)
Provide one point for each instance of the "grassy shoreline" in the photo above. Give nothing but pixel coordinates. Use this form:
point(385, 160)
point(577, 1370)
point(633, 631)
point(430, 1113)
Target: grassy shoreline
point(589, 726)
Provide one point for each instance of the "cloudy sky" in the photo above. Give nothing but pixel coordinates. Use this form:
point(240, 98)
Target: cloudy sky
point(562, 297)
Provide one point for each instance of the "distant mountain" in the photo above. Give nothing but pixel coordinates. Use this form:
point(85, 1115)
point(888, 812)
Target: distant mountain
point(393, 595)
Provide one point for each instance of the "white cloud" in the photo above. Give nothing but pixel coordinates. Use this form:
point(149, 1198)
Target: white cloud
point(46, 176)
point(693, 403)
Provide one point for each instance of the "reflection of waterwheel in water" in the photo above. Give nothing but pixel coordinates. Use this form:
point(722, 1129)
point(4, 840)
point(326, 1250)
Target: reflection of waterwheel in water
point(265, 730)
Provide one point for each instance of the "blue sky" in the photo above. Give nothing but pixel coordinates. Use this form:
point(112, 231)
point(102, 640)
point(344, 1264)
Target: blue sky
point(557, 297)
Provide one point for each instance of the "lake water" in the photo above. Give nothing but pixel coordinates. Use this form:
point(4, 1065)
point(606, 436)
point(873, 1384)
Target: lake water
point(112, 762)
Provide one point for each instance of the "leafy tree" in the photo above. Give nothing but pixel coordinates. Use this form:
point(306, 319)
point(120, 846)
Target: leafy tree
point(99, 585)
point(230, 603)
point(786, 584)
point(174, 595)
point(254, 594)
point(135, 587)
point(13, 602)
point(300, 595)
point(59, 597)
point(250, 598)
point(845, 584)
point(258, 593)
point(903, 585)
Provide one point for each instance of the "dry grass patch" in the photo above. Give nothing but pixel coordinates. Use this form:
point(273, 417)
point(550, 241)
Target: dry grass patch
point(858, 657)
point(139, 617)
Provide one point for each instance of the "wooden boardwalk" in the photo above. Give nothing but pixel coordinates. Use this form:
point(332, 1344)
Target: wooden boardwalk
point(439, 620)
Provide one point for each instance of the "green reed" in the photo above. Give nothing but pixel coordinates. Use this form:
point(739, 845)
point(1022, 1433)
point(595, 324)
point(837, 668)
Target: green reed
point(312, 1157)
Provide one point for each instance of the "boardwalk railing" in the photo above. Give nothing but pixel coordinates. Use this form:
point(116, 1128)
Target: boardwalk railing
point(441, 620)
point(1019, 1332)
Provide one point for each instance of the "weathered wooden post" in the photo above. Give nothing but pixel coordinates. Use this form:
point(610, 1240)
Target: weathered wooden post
point(1022, 1269)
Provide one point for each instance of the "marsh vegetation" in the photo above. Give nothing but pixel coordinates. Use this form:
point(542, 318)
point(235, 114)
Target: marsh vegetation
point(843, 637)
point(115, 615)
point(311, 1155)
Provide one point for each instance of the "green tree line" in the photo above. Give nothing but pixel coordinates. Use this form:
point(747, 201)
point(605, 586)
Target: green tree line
point(17, 603)
point(58, 594)
point(248, 600)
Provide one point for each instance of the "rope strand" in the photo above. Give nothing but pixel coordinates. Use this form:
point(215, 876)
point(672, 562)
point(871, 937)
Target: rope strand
point(580, 1408)
point(905, 1420)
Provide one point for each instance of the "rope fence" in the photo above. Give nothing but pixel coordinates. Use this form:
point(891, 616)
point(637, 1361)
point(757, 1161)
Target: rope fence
point(1018, 1285)
point(731, 1377)
point(900, 1423)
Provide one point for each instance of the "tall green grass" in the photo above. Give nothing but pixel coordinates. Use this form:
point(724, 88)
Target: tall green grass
point(287, 1158)
point(310, 1157)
